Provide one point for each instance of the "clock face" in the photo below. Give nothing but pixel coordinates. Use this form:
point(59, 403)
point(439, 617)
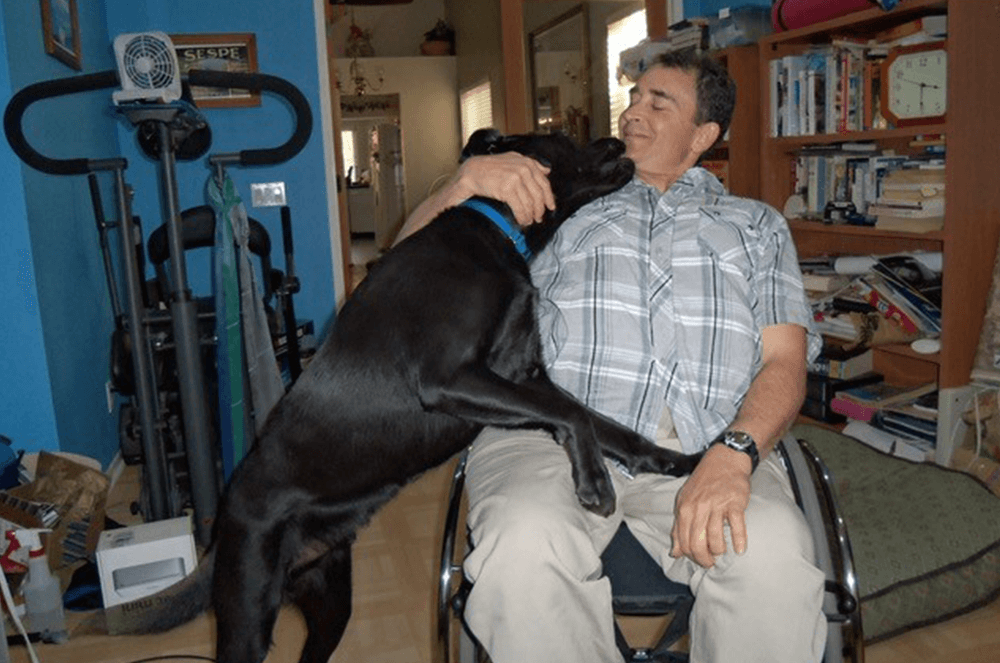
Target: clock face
point(918, 84)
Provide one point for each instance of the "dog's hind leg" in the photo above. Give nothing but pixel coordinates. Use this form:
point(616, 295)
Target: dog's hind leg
point(248, 587)
point(322, 591)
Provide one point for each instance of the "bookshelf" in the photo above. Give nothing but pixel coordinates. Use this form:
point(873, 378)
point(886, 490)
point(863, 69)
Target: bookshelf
point(743, 147)
point(971, 229)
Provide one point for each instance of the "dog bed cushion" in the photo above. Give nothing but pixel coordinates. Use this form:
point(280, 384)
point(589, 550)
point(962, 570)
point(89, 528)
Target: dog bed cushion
point(926, 540)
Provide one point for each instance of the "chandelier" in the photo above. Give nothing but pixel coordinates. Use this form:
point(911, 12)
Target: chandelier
point(362, 84)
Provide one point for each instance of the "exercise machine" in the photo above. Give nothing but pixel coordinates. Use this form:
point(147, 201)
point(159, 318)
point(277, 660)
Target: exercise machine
point(174, 427)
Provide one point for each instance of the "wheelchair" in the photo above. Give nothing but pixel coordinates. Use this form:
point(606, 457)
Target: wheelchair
point(639, 586)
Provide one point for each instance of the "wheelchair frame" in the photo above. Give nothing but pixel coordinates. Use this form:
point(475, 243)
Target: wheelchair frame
point(845, 641)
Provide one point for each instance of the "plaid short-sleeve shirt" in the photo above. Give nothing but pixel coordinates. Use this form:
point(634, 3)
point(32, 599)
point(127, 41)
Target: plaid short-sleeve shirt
point(650, 298)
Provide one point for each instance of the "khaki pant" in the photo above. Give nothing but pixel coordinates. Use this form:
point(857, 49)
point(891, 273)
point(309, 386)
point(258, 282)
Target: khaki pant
point(539, 596)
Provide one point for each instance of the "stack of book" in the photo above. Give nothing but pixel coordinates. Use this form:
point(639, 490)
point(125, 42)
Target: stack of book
point(911, 200)
point(826, 377)
point(900, 420)
point(689, 33)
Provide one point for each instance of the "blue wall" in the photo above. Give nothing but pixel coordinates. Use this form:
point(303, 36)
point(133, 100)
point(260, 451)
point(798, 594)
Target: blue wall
point(68, 407)
point(28, 415)
point(57, 322)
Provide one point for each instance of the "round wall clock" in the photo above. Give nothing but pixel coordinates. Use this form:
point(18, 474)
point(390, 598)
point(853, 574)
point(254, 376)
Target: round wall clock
point(914, 87)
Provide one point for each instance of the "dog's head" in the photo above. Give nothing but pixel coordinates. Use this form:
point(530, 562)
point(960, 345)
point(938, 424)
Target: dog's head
point(578, 173)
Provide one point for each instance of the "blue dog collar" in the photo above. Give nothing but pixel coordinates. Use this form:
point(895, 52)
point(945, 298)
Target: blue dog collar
point(512, 232)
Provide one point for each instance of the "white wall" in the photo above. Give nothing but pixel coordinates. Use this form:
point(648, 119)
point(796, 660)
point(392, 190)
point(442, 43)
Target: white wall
point(428, 113)
point(397, 30)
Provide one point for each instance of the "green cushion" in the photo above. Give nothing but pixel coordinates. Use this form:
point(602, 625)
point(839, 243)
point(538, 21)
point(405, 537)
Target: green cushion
point(926, 540)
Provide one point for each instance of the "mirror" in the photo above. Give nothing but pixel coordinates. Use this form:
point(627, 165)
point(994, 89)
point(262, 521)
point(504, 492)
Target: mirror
point(559, 63)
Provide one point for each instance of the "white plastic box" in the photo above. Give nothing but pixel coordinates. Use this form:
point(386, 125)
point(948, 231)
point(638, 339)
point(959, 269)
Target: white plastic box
point(140, 560)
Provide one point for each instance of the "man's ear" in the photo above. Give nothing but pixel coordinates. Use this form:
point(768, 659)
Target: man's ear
point(705, 136)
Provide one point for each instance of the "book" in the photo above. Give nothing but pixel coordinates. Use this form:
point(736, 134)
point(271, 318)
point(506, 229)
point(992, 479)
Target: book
point(934, 26)
point(905, 426)
point(903, 290)
point(824, 282)
point(910, 205)
point(882, 394)
point(823, 387)
point(777, 95)
point(852, 410)
point(909, 224)
point(832, 91)
point(888, 443)
point(793, 66)
point(911, 409)
point(869, 293)
point(852, 367)
point(815, 72)
point(820, 388)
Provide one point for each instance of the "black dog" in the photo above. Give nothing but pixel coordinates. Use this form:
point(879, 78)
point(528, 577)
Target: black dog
point(438, 341)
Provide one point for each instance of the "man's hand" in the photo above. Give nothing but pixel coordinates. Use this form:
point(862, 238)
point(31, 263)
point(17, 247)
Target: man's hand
point(717, 493)
point(513, 178)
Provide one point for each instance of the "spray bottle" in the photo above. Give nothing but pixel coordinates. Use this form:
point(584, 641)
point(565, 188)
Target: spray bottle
point(42, 594)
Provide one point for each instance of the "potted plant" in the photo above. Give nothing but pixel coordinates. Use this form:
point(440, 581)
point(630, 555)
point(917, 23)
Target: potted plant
point(439, 40)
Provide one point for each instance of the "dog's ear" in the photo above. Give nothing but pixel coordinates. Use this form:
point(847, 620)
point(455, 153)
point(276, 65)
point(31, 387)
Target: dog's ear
point(480, 142)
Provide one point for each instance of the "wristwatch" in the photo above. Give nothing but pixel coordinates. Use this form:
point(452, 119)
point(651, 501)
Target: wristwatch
point(740, 441)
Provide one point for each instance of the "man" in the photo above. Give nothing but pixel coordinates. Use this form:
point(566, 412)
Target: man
point(677, 310)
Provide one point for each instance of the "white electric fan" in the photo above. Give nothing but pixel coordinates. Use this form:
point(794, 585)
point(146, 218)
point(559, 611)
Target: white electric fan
point(147, 68)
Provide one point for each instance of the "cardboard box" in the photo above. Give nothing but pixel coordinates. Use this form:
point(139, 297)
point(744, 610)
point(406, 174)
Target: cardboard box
point(140, 560)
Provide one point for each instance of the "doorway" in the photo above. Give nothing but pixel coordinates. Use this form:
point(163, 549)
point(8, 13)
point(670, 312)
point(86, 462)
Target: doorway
point(372, 146)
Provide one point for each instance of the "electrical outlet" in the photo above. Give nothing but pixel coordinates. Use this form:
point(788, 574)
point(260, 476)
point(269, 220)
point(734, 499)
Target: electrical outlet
point(267, 194)
point(110, 395)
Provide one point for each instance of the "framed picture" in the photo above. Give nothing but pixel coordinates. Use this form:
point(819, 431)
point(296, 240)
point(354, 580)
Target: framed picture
point(61, 31)
point(232, 52)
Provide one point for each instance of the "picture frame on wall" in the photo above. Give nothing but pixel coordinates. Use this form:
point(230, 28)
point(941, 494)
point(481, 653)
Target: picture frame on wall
point(234, 52)
point(61, 31)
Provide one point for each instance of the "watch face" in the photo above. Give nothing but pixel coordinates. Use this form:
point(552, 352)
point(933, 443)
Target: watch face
point(918, 84)
point(738, 440)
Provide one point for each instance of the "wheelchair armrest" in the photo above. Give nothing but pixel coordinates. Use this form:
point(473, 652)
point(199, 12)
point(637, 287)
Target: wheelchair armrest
point(812, 483)
point(449, 568)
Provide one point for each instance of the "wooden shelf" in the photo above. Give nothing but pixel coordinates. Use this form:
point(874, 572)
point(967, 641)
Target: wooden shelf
point(794, 143)
point(813, 238)
point(806, 225)
point(972, 208)
point(743, 147)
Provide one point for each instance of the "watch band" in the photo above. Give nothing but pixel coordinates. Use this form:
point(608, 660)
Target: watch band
point(740, 441)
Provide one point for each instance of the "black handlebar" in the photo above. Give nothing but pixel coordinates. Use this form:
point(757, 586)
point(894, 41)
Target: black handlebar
point(14, 115)
point(44, 90)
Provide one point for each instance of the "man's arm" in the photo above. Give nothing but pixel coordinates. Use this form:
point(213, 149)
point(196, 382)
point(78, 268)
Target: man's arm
point(718, 491)
point(517, 180)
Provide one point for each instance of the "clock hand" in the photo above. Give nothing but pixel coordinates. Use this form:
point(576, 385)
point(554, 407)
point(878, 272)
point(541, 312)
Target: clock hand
point(922, 85)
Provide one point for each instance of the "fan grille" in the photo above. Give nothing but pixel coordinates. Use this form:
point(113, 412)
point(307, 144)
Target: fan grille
point(148, 62)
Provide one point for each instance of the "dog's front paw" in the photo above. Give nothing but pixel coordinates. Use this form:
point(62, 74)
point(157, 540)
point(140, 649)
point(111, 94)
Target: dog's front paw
point(684, 464)
point(596, 492)
point(670, 463)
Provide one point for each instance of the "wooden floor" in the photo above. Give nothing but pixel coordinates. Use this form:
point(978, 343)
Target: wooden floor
point(395, 569)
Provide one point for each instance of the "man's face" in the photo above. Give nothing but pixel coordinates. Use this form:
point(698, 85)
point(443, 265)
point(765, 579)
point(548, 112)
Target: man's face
point(659, 128)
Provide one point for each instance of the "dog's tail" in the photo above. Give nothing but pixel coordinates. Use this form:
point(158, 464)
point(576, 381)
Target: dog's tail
point(170, 607)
